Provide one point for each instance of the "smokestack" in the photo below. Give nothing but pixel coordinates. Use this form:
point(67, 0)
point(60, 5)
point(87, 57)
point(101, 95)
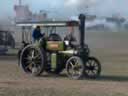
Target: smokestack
point(82, 29)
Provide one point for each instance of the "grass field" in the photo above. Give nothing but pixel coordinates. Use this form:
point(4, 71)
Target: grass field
point(110, 48)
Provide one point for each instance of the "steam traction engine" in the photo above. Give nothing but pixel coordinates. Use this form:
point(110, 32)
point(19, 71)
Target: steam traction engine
point(52, 54)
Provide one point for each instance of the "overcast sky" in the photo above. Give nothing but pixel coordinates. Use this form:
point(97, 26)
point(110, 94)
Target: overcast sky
point(68, 7)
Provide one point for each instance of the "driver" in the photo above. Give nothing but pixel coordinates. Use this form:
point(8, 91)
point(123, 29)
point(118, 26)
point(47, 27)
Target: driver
point(37, 33)
point(70, 38)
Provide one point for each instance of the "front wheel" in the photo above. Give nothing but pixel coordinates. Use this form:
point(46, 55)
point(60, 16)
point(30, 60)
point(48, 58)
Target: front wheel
point(75, 67)
point(92, 68)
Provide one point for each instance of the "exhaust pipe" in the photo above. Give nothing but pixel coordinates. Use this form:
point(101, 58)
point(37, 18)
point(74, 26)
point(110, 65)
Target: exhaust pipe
point(82, 30)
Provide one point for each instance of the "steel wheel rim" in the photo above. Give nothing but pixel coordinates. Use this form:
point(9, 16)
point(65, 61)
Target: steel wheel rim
point(31, 58)
point(92, 68)
point(74, 67)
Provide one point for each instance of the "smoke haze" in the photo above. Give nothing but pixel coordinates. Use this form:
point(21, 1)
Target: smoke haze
point(69, 7)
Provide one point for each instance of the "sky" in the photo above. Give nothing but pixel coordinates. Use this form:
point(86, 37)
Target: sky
point(68, 7)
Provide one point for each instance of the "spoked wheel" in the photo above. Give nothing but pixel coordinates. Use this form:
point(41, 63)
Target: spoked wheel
point(92, 68)
point(32, 60)
point(75, 67)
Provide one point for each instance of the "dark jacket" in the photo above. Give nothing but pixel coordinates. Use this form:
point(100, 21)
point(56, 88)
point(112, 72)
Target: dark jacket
point(36, 34)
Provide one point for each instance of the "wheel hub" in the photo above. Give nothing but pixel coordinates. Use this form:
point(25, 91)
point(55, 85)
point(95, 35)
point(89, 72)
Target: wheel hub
point(91, 68)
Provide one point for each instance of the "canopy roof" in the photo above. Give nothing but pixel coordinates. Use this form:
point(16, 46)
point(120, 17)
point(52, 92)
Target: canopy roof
point(48, 24)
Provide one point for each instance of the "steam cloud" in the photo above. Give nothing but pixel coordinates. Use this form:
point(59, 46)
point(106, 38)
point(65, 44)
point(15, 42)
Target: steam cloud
point(98, 7)
point(78, 6)
point(79, 3)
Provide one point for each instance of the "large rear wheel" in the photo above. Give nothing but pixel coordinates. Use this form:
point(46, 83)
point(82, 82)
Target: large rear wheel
point(32, 60)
